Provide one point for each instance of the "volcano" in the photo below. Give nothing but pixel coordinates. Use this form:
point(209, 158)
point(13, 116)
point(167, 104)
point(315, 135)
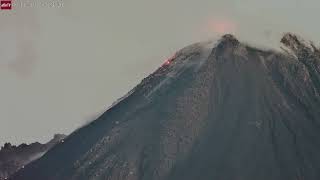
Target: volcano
point(219, 110)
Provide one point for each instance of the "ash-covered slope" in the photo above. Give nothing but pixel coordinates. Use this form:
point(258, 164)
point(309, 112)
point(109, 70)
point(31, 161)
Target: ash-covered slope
point(223, 111)
point(13, 158)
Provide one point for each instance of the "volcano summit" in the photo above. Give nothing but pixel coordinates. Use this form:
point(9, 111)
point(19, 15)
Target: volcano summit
point(218, 111)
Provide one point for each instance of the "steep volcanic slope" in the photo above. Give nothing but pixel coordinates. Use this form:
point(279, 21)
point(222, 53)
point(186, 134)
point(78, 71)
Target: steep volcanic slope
point(222, 111)
point(13, 158)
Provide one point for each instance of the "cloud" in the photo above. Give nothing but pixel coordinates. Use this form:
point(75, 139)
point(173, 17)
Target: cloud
point(18, 31)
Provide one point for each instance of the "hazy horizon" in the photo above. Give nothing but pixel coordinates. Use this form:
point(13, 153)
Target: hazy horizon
point(62, 66)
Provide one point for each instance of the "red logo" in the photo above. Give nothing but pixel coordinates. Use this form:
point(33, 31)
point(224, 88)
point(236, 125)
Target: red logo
point(6, 5)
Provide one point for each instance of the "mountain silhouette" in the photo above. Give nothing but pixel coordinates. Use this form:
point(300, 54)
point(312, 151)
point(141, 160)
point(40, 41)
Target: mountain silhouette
point(214, 111)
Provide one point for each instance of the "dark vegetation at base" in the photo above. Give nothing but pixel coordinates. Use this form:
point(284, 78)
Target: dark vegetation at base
point(13, 158)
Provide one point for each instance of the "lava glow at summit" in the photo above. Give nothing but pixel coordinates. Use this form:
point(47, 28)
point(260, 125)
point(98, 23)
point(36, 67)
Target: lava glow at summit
point(221, 26)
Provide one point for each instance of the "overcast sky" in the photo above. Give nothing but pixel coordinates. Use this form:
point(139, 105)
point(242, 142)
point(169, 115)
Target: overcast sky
point(61, 66)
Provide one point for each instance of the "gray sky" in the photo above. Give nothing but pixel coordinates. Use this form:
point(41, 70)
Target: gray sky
point(60, 67)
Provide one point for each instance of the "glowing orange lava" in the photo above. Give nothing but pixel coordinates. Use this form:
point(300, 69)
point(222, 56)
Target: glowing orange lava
point(168, 61)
